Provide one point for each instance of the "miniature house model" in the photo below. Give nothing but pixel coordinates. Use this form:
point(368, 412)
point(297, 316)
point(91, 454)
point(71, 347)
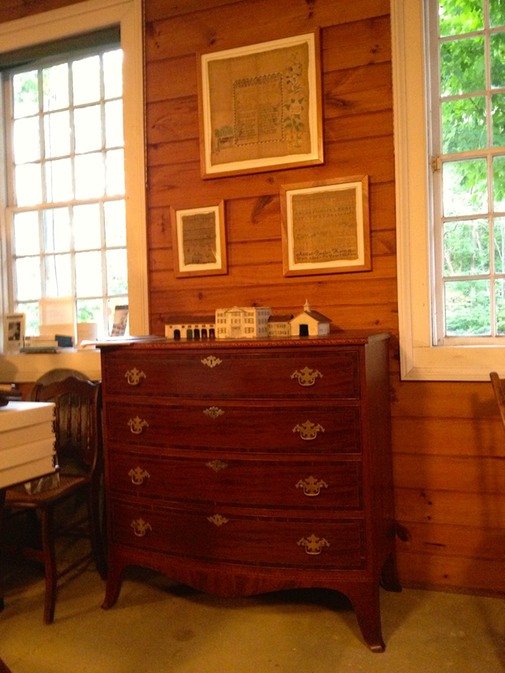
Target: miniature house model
point(190, 328)
point(310, 323)
point(279, 325)
point(242, 322)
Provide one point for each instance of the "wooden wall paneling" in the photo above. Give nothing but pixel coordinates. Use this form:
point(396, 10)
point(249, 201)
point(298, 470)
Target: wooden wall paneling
point(224, 27)
point(479, 437)
point(452, 573)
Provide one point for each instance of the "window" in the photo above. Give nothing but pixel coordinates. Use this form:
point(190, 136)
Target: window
point(450, 158)
point(467, 52)
point(66, 196)
point(83, 18)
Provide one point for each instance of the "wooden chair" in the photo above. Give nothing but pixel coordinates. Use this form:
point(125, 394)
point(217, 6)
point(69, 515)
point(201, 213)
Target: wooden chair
point(499, 393)
point(79, 453)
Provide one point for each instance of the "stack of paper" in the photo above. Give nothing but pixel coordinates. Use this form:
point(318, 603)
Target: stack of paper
point(26, 441)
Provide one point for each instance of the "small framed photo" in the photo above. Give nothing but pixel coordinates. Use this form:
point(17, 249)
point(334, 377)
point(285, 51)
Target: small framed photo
point(14, 332)
point(325, 227)
point(199, 241)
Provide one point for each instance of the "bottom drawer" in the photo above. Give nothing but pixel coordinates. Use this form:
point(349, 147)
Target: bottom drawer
point(234, 537)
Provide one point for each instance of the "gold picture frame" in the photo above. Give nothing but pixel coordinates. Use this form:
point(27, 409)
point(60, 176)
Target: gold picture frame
point(326, 227)
point(199, 241)
point(260, 107)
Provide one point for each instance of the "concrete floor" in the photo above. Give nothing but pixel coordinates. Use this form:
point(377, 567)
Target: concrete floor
point(158, 626)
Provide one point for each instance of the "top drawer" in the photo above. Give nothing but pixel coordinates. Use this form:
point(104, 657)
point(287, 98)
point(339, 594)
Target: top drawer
point(248, 374)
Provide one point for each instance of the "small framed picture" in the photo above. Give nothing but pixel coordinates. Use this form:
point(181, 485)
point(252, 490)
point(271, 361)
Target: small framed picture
point(326, 227)
point(14, 332)
point(199, 241)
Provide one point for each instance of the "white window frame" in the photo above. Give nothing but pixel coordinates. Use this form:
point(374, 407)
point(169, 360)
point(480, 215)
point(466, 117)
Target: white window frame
point(420, 360)
point(53, 25)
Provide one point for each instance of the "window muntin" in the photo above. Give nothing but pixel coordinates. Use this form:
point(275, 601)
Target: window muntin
point(68, 186)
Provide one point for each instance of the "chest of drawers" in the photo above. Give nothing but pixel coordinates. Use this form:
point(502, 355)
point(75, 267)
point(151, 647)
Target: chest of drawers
point(242, 467)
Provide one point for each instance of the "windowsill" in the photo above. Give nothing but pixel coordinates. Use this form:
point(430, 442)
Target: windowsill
point(28, 367)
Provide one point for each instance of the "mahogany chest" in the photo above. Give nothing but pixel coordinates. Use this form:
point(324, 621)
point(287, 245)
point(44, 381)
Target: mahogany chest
point(242, 467)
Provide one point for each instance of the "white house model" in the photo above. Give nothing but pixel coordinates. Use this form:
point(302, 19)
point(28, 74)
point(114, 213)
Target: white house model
point(190, 328)
point(242, 322)
point(310, 323)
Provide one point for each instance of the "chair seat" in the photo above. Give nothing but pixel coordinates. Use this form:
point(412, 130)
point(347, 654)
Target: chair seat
point(17, 496)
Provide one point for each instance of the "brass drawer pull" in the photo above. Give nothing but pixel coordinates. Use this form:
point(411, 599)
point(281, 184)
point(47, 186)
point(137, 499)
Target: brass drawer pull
point(306, 376)
point(217, 519)
point(134, 376)
point(216, 465)
point(313, 545)
point(138, 475)
point(308, 430)
point(137, 425)
point(213, 412)
point(311, 486)
point(140, 527)
point(211, 361)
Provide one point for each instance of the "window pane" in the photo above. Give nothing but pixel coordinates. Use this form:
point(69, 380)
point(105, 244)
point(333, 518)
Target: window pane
point(460, 16)
point(27, 277)
point(57, 230)
point(499, 245)
point(26, 233)
point(464, 125)
point(497, 49)
point(89, 310)
point(467, 308)
point(31, 311)
point(114, 124)
point(89, 176)
point(59, 180)
point(25, 94)
point(88, 274)
point(28, 185)
point(55, 80)
point(115, 172)
point(497, 12)
point(500, 306)
point(466, 248)
point(115, 225)
point(462, 66)
point(113, 73)
point(26, 140)
point(117, 272)
point(498, 120)
point(86, 80)
point(465, 187)
point(499, 183)
point(57, 134)
point(88, 129)
point(58, 276)
point(87, 229)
